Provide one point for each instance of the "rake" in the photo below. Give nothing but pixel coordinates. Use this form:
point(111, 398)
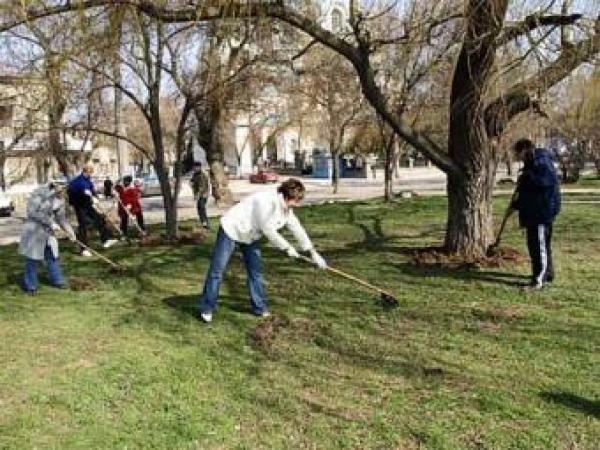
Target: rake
point(387, 298)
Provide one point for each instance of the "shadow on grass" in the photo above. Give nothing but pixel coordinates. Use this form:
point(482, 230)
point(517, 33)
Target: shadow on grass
point(463, 273)
point(588, 407)
point(187, 305)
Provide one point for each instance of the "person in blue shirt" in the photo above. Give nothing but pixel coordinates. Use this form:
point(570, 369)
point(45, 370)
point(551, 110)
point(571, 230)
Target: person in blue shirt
point(83, 197)
point(537, 200)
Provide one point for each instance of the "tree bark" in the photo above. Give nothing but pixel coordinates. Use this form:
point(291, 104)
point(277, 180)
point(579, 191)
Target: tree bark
point(335, 170)
point(469, 225)
point(389, 164)
point(2, 165)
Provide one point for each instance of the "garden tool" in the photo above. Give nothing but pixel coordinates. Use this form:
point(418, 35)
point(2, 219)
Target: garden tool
point(387, 299)
point(509, 211)
point(106, 217)
point(99, 255)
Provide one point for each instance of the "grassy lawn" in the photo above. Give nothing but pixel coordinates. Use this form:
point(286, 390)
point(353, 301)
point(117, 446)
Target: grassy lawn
point(466, 361)
point(587, 181)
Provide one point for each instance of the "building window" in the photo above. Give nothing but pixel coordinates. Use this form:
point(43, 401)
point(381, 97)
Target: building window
point(6, 115)
point(336, 21)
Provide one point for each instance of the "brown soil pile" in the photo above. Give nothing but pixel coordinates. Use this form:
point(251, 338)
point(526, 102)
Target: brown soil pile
point(266, 332)
point(193, 237)
point(82, 284)
point(432, 256)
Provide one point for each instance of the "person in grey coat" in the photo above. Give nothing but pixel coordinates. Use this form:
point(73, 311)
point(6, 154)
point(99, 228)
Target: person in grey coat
point(45, 216)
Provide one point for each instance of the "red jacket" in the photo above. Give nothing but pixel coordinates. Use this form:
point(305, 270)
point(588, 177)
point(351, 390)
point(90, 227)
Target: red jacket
point(130, 196)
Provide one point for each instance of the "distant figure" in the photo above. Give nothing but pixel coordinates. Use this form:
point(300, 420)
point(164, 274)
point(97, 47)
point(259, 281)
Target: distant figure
point(130, 203)
point(538, 201)
point(373, 170)
point(45, 216)
point(83, 197)
point(108, 188)
point(201, 188)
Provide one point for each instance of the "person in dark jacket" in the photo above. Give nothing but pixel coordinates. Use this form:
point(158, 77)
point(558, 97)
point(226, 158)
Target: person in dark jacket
point(108, 188)
point(538, 202)
point(83, 197)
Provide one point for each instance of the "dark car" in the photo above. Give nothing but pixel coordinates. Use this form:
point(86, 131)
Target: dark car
point(264, 176)
point(7, 206)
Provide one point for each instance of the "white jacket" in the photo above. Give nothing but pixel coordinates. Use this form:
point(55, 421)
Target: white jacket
point(264, 213)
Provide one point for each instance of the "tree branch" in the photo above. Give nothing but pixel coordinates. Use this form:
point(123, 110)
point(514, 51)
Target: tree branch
point(532, 22)
point(520, 97)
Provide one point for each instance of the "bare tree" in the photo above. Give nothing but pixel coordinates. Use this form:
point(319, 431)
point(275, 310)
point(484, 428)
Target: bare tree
point(476, 120)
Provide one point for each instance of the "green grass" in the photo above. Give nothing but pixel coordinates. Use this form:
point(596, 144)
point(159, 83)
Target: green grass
point(467, 361)
point(587, 181)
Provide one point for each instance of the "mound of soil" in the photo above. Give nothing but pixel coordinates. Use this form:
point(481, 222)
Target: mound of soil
point(436, 256)
point(266, 332)
point(193, 237)
point(82, 284)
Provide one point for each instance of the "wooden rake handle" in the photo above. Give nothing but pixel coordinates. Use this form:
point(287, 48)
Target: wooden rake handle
point(351, 278)
point(99, 255)
point(129, 213)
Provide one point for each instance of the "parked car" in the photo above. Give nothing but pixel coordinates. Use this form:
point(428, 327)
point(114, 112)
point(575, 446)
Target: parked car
point(263, 176)
point(7, 206)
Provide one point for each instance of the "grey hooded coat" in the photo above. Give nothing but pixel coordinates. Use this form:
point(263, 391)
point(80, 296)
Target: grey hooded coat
point(44, 209)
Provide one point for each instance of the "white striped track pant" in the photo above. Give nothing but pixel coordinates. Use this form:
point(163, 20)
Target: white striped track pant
point(539, 244)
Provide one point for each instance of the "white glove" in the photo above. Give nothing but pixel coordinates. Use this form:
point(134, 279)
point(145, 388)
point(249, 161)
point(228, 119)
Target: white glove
point(88, 192)
point(55, 227)
point(292, 253)
point(318, 259)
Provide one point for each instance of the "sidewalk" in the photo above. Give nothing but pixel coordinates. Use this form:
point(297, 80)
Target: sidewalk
point(418, 181)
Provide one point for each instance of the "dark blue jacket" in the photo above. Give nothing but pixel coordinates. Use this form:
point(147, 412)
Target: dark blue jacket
point(76, 191)
point(538, 190)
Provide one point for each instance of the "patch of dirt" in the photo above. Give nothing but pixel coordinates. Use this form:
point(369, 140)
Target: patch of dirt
point(193, 237)
point(498, 314)
point(489, 327)
point(276, 329)
point(438, 257)
point(82, 284)
point(266, 332)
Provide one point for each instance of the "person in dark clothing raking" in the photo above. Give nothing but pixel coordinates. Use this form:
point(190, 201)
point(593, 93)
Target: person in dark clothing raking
point(538, 202)
point(83, 198)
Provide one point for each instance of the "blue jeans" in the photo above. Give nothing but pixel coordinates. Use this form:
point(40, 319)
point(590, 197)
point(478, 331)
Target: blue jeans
point(224, 248)
point(30, 279)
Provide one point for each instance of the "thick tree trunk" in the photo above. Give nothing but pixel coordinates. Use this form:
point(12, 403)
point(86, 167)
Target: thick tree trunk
point(469, 226)
point(209, 139)
point(469, 229)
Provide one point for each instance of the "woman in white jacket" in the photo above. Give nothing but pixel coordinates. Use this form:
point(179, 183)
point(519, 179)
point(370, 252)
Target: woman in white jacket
point(263, 213)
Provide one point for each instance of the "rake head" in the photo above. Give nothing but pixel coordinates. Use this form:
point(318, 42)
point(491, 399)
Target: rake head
point(388, 300)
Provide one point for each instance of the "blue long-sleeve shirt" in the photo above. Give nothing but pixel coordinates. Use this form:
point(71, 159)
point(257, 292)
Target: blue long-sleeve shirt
point(77, 188)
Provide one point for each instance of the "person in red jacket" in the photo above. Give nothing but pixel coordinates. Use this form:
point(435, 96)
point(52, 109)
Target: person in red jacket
point(130, 203)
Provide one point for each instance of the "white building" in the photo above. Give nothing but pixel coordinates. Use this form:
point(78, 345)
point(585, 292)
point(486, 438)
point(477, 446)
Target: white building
point(272, 136)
